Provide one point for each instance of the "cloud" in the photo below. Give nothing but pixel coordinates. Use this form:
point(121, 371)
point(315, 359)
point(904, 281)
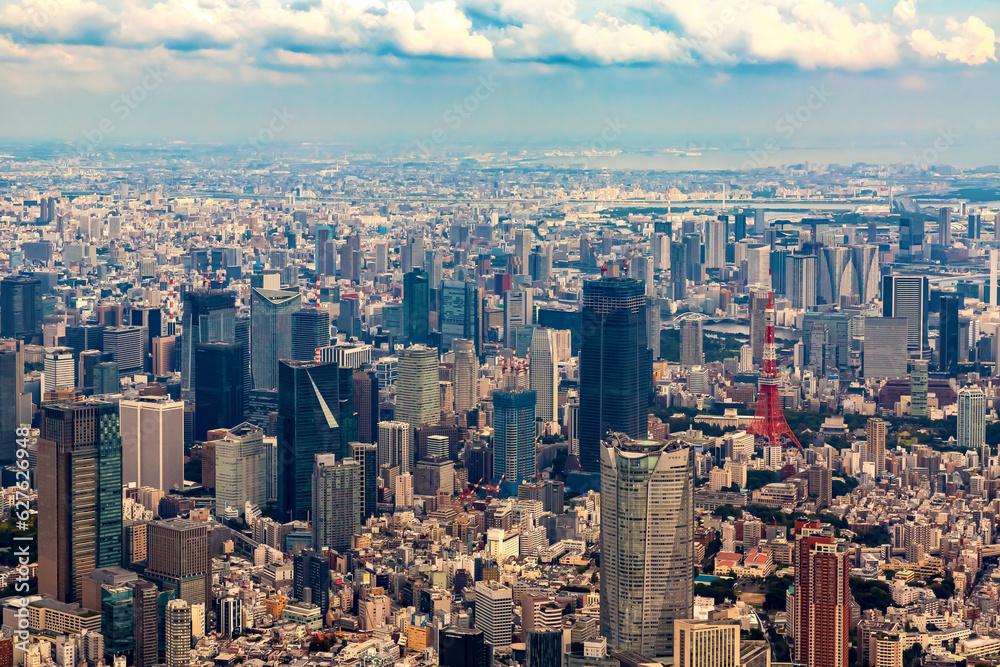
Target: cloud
point(905, 12)
point(971, 43)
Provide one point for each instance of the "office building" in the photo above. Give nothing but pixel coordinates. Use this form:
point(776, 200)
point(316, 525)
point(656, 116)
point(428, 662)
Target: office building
point(544, 648)
point(971, 418)
point(106, 379)
point(918, 388)
point(615, 365)
point(885, 341)
point(716, 237)
point(271, 332)
point(177, 633)
point(366, 404)
point(145, 621)
point(836, 276)
point(79, 496)
point(495, 613)
point(678, 271)
point(11, 392)
point(543, 373)
point(126, 346)
point(646, 490)
point(60, 369)
point(20, 307)
point(311, 578)
point(513, 438)
point(460, 314)
point(85, 337)
point(692, 341)
point(463, 647)
point(326, 251)
point(179, 559)
point(800, 281)
point(875, 432)
point(395, 445)
point(309, 400)
point(944, 226)
point(336, 502)
point(220, 402)
point(416, 308)
point(152, 431)
point(209, 317)
point(367, 457)
point(466, 376)
point(706, 643)
point(240, 469)
point(518, 312)
point(418, 397)
point(310, 330)
point(949, 334)
point(821, 605)
point(907, 296)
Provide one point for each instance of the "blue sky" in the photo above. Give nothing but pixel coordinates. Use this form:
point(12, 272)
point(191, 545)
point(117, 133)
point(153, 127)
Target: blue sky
point(671, 72)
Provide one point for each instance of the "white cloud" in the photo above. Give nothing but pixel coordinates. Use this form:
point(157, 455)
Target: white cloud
point(971, 43)
point(905, 12)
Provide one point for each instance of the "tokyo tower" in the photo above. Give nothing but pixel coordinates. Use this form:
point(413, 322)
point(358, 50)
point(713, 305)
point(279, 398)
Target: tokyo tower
point(769, 422)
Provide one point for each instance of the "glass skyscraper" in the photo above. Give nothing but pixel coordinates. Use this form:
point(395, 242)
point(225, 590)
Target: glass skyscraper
point(220, 393)
point(514, 437)
point(616, 366)
point(209, 317)
point(416, 307)
point(271, 332)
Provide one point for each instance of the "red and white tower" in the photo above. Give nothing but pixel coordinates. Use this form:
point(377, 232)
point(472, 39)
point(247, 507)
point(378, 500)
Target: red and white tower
point(769, 422)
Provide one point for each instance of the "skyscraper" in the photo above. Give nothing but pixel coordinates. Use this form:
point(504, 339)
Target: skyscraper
point(310, 329)
point(145, 622)
point(836, 274)
point(971, 418)
point(20, 307)
point(418, 397)
point(220, 402)
point(647, 530)
point(179, 559)
point(209, 317)
point(79, 496)
point(240, 469)
point(884, 351)
point(907, 296)
point(366, 404)
point(615, 365)
point(544, 648)
point(706, 643)
point(462, 647)
point(395, 445)
point(514, 437)
point(944, 226)
point(416, 308)
point(544, 374)
point(822, 597)
point(875, 432)
point(716, 237)
point(308, 424)
point(311, 582)
point(800, 281)
point(11, 388)
point(152, 430)
point(60, 370)
point(367, 457)
point(461, 313)
point(948, 340)
point(326, 251)
point(692, 340)
point(918, 388)
point(678, 270)
point(177, 633)
point(495, 613)
point(336, 502)
point(466, 375)
point(518, 312)
point(271, 332)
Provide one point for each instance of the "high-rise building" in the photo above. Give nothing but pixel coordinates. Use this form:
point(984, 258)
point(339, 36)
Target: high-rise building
point(11, 392)
point(836, 275)
point(418, 397)
point(416, 308)
point(367, 457)
point(311, 578)
point(179, 559)
point(544, 648)
point(948, 340)
point(310, 330)
point(678, 271)
point(145, 621)
point(716, 237)
point(106, 380)
point(875, 432)
point(518, 312)
point(884, 351)
point(59, 368)
point(466, 376)
point(271, 332)
point(495, 613)
point(79, 496)
point(366, 404)
point(800, 281)
point(20, 307)
point(461, 314)
point(209, 317)
point(971, 418)
point(309, 423)
point(462, 647)
point(513, 437)
point(822, 597)
point(647, 531)
point(395, 445)
point(706, 643)
point(152, 431)
point(220, 402)
point(543, 374)
point(326, 251)
point(177, 633)
point(336, 502)
point(240, 469)
point(692, 341)
point(944, 226)
point(907, 296)
point(918, 388)
point(757, 307)
point(615, 365)
point(867, 273)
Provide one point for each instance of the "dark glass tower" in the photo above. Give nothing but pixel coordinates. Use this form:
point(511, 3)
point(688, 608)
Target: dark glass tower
point(312, 571)
point(908, 296)
point(678, 270)
point(616, 365)
point(271, 332)
point(514, 437)
point(308, 424)
point(310, 329)
point(209, 317)
point(79, 496)
point(948, 346)
point(416, 307)
point(20, 307)
point(11, 388)
point(220, 393)
point(544, 648)
point(463, 647)
point(460, 316)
